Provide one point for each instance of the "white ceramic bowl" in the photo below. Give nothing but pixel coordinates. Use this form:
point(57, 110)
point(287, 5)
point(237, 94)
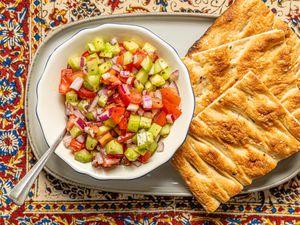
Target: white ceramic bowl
point(51, 111)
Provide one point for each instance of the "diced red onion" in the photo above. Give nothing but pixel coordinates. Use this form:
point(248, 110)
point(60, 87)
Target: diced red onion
point(174, 75)
point(157, 138)
point(93, 104)
point(82, 62)
point(170, 118)
point(137, 163)
point(116, 68)
point(125, 89)
point(77, 83)
point(140, 112)
point(105, 76)
point(132, 107)
point(69, 109)
point(78, 114)
point(135, 59)
point(129, 80)
point(80, 139)
point(102, 151)
point(81, 123)
point(102, 92)
point(148, 115)
point(174, 85)
point(98, 159)
point(67, 140)
point(144, 92)
point(129, 141)
point(160, 147)
point(147, 102)
point(89, 131)
point(114, 59)
point(114, 41)
point(157, 94)
point(104, 116)
point(124, 73)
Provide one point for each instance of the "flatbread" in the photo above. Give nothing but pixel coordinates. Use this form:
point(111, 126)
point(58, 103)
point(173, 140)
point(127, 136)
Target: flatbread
point(242, 135)
point(278, 67)
point(215, 70)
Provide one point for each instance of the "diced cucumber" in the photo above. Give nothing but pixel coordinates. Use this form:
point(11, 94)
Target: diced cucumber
point(75, 131)
point(157, 80)
point(90, 143)
point(113, 147)
point(134, 139)
point(103, 130)
point(109, 123)
point(106, 54)
point(104, 67)
point(155, 129)
point(92, 66)
point(144, 139)
point(83, 105)
point(102, 100)
point(149, 48)
point(131, 46)
point(71, 96)
point(93, 56)
point(142, 76)
point(159, 65)
point(99, 44)
point(131, 154)
point(133, 123)
point(147, 63)
point(166, 73)
point(74, 62)
point(83, 156)
point(138, 85)
point(91, 47)
point(145, 122)
point(164, 132)
point(90, 116)
point(127, 58)
point(110, 50)
point(152, 147)
point(149, 86)
point(92, 82)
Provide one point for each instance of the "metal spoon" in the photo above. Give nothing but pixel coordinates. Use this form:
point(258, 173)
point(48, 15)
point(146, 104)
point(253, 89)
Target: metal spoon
point(20, 192)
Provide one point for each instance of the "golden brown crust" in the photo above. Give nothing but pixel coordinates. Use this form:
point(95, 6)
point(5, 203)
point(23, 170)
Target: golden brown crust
point(277, 68)
point(240, 136)
point(214, 71)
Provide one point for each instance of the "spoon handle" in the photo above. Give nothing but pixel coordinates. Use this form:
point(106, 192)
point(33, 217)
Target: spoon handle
point(19, 193)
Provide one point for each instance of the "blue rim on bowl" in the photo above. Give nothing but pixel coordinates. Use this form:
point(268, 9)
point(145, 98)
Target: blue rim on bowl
point(159, 39)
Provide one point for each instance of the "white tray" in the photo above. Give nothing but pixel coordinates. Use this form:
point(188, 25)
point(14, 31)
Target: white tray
point(179, 30)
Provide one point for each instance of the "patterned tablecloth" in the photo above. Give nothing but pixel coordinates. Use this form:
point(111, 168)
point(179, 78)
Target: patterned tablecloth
point(23, 26)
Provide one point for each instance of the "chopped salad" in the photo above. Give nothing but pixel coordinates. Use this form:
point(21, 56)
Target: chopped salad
point(121, 100)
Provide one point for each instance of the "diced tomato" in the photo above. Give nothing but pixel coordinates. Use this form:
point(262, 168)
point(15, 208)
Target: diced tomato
point(135, 97)
point(160, 119)
point(171, 95)
point(120, 60)
point(71, 121)
point(76, 146)
point(125, 97)
point(117, 114)
point(112, 79)
point(123, 77)
point(144, 158)
point(86, 94)
point(114, 156)
point(170, 108)
point(123, 123)
point(94, 128)
point(117, 100)
point(127, 114)
point(125, 137)
point(65, 82)
point(85, 54)
point(139, 57)
point(75, 75)
point(129, 67)
point(112, 72)
point(157, 103)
